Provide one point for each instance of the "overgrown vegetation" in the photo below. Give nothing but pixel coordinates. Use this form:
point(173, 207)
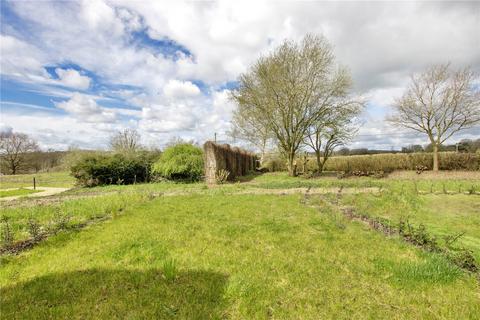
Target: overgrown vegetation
point(101, 169)
point(182, 161)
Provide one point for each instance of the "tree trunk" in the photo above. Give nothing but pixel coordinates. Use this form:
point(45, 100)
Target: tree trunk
point(435, 157)
point(13, 168)
point(292, 172)
point(320, 166)
point(319, 161)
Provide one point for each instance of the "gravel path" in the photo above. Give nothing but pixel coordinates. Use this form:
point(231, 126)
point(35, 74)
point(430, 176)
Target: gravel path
point(45, 191)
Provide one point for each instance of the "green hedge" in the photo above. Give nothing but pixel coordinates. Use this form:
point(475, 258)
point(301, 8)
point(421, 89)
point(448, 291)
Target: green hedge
point(386, 162)
point(101, 169)
point(182, 161)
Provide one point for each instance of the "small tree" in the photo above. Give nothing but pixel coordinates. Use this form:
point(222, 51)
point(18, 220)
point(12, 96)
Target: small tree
point(127, 140)
point(14, 147)
point(439, 102)
point(337, 126)
point(289, 90)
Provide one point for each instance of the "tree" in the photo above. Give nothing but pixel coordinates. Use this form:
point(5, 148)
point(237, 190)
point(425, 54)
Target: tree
point(246, 126)
point(288, 90)
point(335, 128)
point(439, 102)
point(127, 140)
point(14, 147)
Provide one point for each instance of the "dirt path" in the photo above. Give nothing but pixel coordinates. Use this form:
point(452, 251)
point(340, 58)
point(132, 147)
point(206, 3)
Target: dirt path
point(45, 191)
point(310, 191)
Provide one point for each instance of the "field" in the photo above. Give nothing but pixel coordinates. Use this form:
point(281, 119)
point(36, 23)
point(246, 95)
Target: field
point(270, 247)
point(44, 179)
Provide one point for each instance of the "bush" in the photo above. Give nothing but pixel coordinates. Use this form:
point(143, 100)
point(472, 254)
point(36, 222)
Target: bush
point(101, 169)
point(182, 161)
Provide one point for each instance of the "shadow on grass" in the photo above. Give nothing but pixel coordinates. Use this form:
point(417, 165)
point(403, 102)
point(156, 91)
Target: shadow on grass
point(109, 294)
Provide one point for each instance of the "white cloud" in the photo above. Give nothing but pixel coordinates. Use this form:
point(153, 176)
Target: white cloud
point(86, 109)
point(72, 78)
point(175, 89)
point(381, 43)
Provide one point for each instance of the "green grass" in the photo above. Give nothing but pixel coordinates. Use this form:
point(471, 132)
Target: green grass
point(16, 192)
point(198, 253)
point(45, 179)
point(442, 215)
point(237, 257)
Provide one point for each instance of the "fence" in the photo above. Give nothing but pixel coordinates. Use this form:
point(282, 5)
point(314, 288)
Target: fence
point(218, 157)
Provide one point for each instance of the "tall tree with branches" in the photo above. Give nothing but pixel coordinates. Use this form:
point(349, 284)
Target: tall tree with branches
point(288, 90)
point(14, 148)
point(439, 103)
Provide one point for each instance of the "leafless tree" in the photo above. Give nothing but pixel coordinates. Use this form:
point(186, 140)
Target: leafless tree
point(14, 147)
point(127, 140)
point(289, 90)
point(439, 102)
point(336, 128)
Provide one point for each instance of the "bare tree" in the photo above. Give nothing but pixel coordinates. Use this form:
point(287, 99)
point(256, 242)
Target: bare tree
point(333, 130)
point(127, 140)
point(439, 102)
point(14, 147)
point(288, 90)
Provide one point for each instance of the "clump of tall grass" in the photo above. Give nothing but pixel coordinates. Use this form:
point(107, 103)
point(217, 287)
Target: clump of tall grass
point(170, 269)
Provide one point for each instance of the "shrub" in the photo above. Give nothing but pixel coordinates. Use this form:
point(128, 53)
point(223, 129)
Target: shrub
point(7, 232)
point(101, 169)
point(182, 161)
point(273, 163)
point(34, 229)
point(222, 176)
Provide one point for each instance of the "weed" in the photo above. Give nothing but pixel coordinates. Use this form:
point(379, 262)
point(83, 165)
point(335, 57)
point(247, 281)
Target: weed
point(463, 258)
point(221, 176)
point(34, 228)
point(170, 269)
point(7, 233)
point(61, 220)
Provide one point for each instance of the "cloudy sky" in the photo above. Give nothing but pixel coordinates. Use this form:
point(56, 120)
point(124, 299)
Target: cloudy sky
point(72, 73)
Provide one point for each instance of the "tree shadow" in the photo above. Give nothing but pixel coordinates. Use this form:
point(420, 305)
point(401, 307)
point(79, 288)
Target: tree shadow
point(109, 294)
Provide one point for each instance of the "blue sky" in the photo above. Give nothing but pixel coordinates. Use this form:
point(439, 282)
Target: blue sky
point(73, 73)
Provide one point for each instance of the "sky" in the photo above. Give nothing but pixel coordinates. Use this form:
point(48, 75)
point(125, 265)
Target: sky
point(75, 72)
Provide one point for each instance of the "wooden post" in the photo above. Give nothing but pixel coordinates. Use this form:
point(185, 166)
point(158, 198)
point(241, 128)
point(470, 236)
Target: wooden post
point(34, 184)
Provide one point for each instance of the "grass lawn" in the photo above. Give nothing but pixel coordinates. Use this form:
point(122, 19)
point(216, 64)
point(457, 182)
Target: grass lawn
point(60, 179)
point(16, 192)
point(210, 253)
point(442, 215)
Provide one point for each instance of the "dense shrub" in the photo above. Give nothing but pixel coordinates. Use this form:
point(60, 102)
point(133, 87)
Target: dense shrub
point(182, 161)
point(273, 163)
point(100, 169)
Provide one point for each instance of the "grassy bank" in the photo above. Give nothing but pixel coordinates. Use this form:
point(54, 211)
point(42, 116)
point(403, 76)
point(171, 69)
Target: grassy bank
point(197, 257)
